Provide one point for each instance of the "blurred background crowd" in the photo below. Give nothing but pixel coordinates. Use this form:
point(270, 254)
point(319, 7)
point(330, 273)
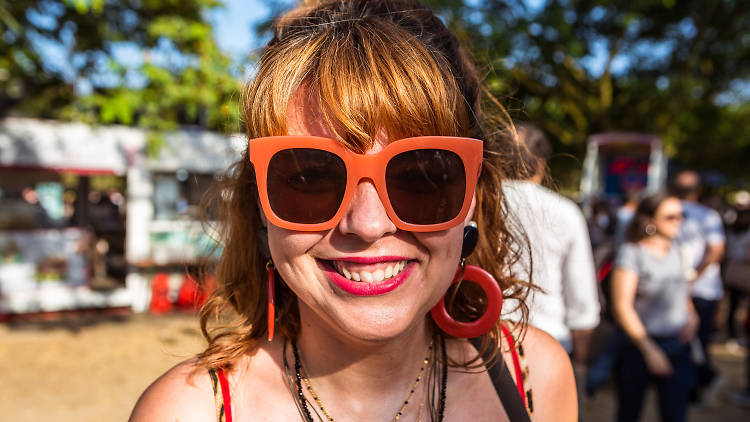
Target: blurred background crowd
point(116, 116)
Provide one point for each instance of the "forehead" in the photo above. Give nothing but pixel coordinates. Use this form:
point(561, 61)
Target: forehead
point(305, 117)
point(670, 206)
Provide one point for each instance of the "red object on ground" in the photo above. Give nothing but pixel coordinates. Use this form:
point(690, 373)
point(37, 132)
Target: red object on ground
point(159, 294)
point(190, 296)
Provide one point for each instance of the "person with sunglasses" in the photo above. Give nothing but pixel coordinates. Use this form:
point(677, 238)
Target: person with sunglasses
point(651, 303)
point(364, 247)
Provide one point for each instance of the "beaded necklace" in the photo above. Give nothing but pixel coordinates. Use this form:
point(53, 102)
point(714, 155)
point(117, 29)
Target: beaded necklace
point(300, 376)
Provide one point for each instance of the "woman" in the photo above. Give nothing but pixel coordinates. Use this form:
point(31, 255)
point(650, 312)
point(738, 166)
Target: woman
point(343, 236)
point(736, 276)
point(652, 305)
point(736, 272)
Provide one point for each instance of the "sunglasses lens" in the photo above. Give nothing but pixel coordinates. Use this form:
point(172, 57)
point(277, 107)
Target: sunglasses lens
point(426, 186)
point(305, 185)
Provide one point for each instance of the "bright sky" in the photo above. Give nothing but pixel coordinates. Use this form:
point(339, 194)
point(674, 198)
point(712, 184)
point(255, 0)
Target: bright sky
point(234, 25)
point(234, 31)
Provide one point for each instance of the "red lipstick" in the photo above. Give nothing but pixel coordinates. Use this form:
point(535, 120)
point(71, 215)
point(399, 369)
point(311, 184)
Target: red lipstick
point(371, 259)
point(376, 288)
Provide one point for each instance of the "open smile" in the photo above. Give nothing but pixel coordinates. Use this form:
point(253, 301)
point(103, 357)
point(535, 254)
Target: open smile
point(367, 276)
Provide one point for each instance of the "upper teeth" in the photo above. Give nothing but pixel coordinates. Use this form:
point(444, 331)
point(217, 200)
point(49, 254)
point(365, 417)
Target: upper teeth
point(368, 277)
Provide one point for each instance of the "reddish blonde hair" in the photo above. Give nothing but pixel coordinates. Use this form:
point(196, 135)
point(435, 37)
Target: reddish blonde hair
point(381, 65)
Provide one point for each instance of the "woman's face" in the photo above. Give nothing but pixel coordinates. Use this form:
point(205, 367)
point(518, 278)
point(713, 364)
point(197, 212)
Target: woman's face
point(668, 218)
point(318, 265)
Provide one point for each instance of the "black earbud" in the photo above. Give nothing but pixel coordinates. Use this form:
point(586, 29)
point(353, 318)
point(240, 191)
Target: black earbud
point(471, 237)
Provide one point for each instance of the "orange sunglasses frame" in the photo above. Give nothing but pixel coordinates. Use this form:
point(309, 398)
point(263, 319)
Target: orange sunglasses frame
point(365, 166)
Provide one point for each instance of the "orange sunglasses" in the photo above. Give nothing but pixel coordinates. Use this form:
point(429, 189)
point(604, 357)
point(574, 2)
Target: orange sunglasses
point(306, 183)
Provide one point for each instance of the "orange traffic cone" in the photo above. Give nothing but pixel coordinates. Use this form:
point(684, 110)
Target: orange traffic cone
point(159, 294)
point(190, 296)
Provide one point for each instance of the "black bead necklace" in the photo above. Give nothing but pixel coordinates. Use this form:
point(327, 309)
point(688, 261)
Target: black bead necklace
point(298, 379)
point(443, 382)
point(300, 398)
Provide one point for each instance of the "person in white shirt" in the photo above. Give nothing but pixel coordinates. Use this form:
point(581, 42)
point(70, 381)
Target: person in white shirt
point(567, 304)
point(702, 240)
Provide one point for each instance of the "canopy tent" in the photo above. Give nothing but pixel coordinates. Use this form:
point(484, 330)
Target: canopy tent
point(84, 149)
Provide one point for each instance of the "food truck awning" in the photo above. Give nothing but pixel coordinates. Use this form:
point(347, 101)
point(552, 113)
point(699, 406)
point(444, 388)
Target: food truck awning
point(73, 147)
point(197, 151)
point(84, 149)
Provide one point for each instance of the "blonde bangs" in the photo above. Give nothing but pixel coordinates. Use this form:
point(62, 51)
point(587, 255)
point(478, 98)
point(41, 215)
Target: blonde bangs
point(369, 76)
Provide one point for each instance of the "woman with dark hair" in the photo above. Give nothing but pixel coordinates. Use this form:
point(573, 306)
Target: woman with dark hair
point(651, 303)
point(369, 175)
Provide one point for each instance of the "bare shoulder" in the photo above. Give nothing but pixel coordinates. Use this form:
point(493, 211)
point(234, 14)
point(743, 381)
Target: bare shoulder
point(550, 377)
point(182, 393)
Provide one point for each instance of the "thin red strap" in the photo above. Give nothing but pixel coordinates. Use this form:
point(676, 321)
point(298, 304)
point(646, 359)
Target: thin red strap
point(225, 394)
point(604, 271)
point(516, 363)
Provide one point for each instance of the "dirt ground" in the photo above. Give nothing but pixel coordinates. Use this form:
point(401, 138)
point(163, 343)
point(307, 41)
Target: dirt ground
point(94, 368)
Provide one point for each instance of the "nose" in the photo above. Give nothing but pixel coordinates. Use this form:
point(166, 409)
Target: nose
point(366, 217)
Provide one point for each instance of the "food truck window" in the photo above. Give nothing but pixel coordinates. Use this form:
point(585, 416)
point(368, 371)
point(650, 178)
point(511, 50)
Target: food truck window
point(178, 195)
point(31, 200)
point(625, 173)
point(61, 228)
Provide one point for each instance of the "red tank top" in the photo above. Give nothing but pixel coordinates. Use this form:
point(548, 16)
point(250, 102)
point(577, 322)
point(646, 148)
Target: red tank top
point(224, 403)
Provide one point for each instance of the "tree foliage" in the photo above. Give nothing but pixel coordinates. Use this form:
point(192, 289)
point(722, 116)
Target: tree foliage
point(149, 63)
point(680, 70)
point(573, 67)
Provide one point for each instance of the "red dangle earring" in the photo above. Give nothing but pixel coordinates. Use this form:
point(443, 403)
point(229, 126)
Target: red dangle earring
point(479, 276)
point(271, 298)
point(261, 238)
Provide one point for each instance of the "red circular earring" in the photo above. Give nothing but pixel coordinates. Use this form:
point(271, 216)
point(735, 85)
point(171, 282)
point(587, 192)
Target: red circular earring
point(485, 322)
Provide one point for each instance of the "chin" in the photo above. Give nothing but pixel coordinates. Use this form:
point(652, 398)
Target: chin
point(379, 324)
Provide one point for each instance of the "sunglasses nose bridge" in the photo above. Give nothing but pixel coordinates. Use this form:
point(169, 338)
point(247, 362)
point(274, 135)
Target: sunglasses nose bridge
point(367, 169)
point(364, 167)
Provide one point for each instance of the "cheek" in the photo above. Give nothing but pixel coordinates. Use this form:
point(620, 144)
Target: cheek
point(665, 227)
point(444, 248)
point(289, 251)
point(288, 247)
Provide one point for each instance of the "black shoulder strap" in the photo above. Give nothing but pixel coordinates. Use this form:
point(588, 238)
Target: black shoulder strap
point(505, 388)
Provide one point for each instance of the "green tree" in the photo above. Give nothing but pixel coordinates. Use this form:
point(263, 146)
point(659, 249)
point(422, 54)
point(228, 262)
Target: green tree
point(58, 60)
point(679, 69)
point(577, 67)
